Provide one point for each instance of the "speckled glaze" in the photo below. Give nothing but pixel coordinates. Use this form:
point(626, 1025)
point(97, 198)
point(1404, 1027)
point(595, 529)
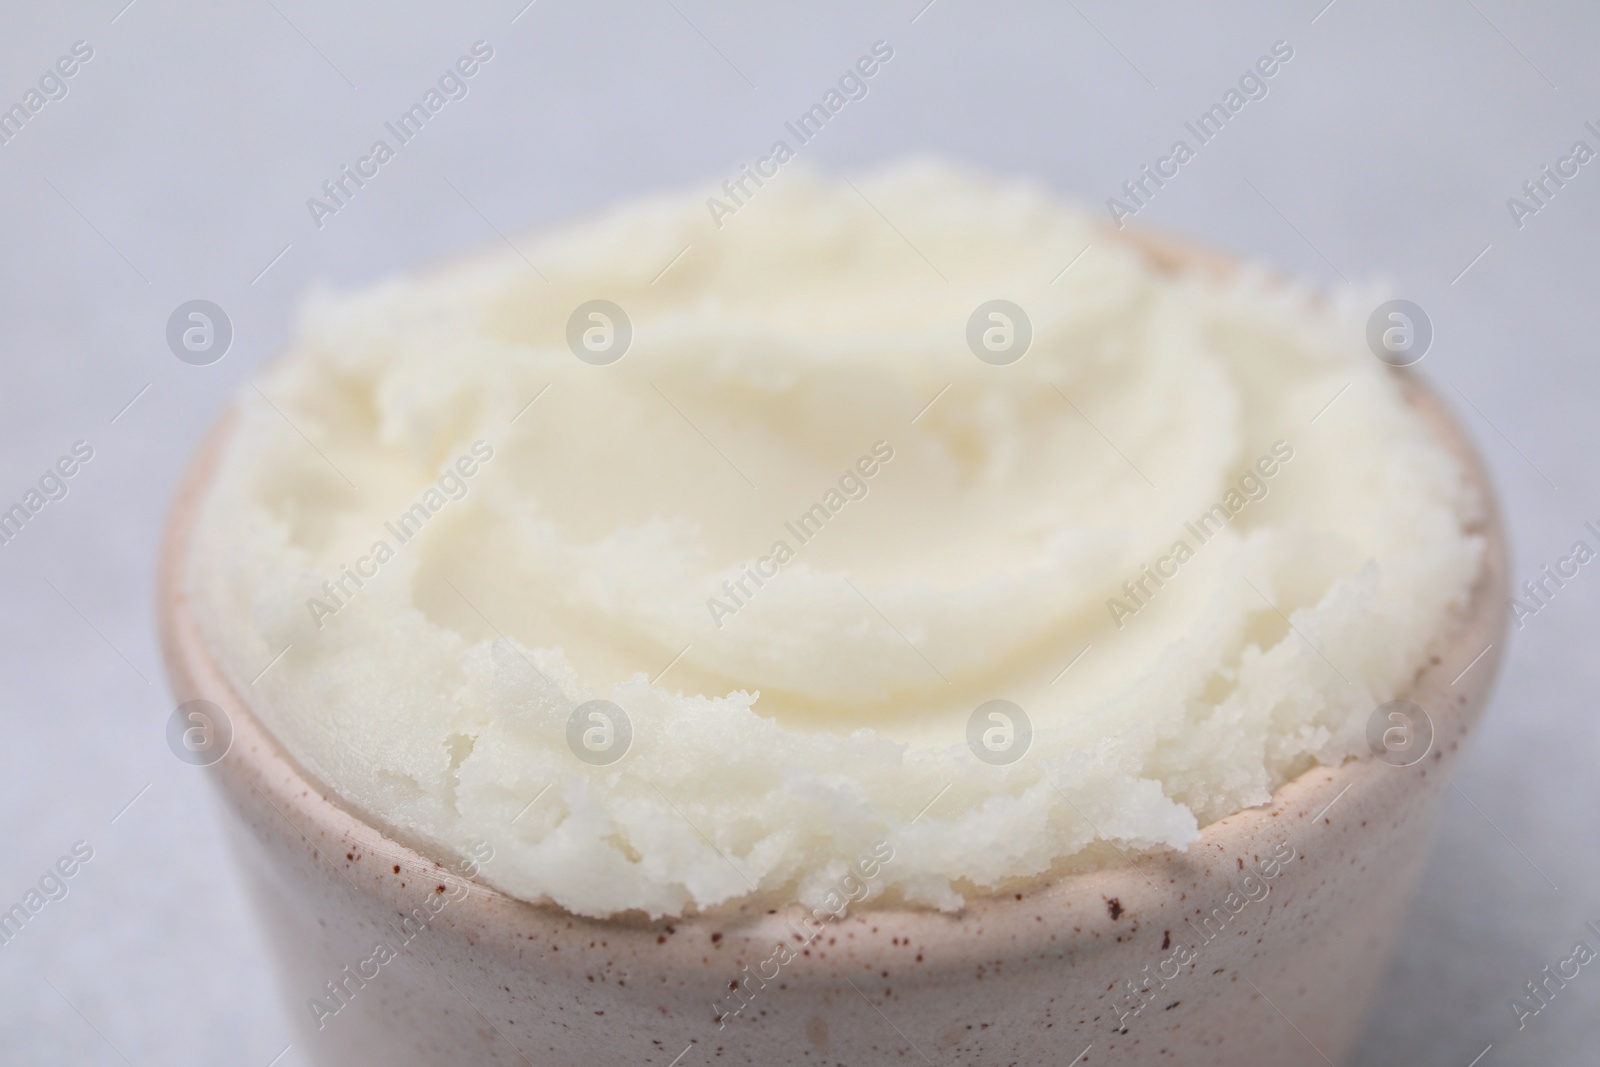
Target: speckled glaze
point(1035, 977)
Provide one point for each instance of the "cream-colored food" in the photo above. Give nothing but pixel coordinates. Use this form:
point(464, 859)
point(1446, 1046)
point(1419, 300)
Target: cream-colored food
point(977, 526)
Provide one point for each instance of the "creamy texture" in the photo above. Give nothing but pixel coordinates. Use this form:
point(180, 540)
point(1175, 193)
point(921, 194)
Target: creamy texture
point(777, 738)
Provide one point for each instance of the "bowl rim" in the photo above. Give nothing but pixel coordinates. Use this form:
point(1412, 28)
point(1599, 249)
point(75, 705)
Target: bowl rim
point(257, 762)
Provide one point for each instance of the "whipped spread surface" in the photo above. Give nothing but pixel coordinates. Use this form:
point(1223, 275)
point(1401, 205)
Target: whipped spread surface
point(687, 560)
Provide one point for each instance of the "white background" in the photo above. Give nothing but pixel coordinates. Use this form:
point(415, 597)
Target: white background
point(180, 165)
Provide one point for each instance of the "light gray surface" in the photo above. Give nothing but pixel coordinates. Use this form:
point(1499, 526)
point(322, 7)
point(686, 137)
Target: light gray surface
point(178, 167)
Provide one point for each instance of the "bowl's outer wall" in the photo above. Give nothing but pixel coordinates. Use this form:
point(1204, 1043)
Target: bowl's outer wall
point(1027, 978)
